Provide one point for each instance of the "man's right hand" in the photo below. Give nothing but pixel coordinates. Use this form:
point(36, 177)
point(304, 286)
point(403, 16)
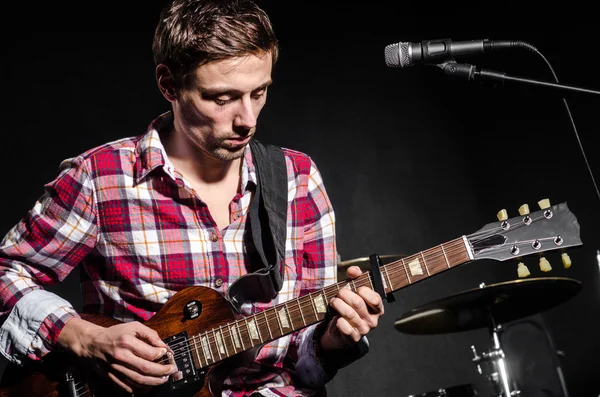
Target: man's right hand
point(124, 353)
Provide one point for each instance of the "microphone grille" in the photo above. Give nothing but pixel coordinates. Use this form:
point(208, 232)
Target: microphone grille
point(397, 55)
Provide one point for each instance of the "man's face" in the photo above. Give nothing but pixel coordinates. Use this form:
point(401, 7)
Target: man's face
point(217, 113)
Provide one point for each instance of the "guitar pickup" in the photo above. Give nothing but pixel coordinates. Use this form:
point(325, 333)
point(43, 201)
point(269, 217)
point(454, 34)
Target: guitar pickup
point(179, 354)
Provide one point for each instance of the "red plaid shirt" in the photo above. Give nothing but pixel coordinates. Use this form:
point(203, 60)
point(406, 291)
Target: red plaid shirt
point(140, 232)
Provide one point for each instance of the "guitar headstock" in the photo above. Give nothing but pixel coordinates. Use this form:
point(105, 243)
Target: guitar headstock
point(550, 228)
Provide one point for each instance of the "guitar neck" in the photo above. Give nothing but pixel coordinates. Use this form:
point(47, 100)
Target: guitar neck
point(220, 343)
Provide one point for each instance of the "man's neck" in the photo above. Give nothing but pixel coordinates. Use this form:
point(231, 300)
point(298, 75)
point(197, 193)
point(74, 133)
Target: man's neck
point(199, 166)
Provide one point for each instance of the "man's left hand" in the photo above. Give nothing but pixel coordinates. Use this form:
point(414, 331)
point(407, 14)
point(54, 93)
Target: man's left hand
point(357, 314)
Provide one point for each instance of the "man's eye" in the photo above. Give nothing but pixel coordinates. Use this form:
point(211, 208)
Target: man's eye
point(222, 102)
point(259, 94)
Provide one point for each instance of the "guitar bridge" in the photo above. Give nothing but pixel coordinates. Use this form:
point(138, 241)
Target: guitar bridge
point(179, 354)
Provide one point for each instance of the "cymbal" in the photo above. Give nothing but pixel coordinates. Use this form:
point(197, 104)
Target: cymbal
point(364, 263)
point(471, 309)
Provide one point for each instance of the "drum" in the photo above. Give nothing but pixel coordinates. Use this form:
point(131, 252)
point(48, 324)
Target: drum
point(466, 390)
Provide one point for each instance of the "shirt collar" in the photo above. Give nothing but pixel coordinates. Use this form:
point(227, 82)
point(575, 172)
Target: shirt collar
point(150, 152)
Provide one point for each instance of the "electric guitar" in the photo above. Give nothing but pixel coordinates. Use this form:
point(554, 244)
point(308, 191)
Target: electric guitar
point(204, 335)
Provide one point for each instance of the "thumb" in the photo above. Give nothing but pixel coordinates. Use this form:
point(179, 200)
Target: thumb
point(353, 272)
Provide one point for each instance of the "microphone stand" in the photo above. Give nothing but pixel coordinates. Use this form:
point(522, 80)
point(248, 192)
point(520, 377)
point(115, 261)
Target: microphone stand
point(474, 73)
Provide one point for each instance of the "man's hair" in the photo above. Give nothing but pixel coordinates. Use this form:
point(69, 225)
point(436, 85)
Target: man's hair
point(191, 33)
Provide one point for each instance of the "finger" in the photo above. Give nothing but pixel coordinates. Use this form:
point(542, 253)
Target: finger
point(138, 379)
point(148, 334)
point(141, 365)
point(139, 347)
point(355, 301)
point(372, 299)
point(343, 309)
point(350, 315)
point(353, 272)
point(347, 331)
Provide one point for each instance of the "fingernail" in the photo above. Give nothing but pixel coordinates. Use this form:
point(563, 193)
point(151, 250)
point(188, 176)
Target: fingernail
point(163, 352)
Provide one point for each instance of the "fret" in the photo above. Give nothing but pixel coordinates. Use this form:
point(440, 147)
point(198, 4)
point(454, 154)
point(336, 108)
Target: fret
point(248, 332)
point(301, 314)
point(445, 257)
point(425, 263)
point(353, 285)
point(267, 321)
point(314, 307)
point(385, 273)
point(277, 314)
point(406, 271)
point(274, 323)
point(210, 347)
point(237, 327)
point(254, 329)
point(217, 345)
point(197, 351)
point(222, 338)
point(289, 316)
point(206, 348)
point(319, 302)
point(235, 342)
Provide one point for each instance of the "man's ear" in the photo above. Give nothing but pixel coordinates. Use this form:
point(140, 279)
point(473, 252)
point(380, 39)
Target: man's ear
point(166, 85)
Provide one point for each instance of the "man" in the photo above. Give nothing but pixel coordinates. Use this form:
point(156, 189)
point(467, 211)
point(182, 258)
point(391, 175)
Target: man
point(148, 216)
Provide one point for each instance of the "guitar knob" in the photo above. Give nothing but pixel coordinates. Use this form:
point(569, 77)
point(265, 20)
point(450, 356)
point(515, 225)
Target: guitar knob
point(502, 215)
point(545, 203)
point(524, 210)
point(522, 270)
point(566, 260)
point(545, 265)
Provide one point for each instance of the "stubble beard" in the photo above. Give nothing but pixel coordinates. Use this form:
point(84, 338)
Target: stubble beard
point(222, 152)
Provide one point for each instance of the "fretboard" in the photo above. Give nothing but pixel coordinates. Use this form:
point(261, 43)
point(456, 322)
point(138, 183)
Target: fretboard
point(228, 340)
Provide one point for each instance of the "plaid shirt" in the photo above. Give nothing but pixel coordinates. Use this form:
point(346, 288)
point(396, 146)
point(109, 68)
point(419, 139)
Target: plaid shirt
point(141, 233)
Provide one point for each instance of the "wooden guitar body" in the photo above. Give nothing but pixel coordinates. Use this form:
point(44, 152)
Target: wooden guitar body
point(61, 374)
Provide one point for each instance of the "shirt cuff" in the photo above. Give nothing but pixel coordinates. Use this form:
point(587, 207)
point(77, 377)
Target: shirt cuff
point(32, 327)
point(315, 372)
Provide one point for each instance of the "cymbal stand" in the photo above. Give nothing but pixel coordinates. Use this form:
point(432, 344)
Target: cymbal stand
point(495, 358)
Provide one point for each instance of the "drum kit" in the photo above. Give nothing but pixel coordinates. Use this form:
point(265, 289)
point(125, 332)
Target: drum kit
point(489, 306)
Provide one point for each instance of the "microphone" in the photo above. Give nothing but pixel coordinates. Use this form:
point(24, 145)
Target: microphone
point(438, 51)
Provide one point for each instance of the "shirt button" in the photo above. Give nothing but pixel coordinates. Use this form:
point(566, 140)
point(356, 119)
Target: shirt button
point(236, 216)
point(213, 237)
point(219, 282)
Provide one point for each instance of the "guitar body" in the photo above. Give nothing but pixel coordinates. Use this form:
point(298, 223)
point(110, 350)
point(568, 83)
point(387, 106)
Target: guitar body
point(50, 376)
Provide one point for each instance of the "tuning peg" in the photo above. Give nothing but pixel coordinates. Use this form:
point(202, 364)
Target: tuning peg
point(566, 260)
point(545, 265)
point(524, 209)
point(502, 215)
point(522, 270)
point(544, 203)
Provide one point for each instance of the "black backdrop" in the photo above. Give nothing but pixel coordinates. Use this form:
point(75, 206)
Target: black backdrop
point(411, 157)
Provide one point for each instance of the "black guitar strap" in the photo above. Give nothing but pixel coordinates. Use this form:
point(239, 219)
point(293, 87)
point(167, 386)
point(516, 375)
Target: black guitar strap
point(265, 238)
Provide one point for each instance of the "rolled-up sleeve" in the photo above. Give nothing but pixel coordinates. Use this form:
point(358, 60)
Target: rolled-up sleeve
point(42, 249)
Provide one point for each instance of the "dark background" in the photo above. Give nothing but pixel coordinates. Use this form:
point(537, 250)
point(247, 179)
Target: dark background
point(411, 157)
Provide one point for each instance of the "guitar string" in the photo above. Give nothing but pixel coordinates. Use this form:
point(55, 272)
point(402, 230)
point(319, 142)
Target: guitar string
point(225, 336)
point(210, 339)
point(304, 302)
